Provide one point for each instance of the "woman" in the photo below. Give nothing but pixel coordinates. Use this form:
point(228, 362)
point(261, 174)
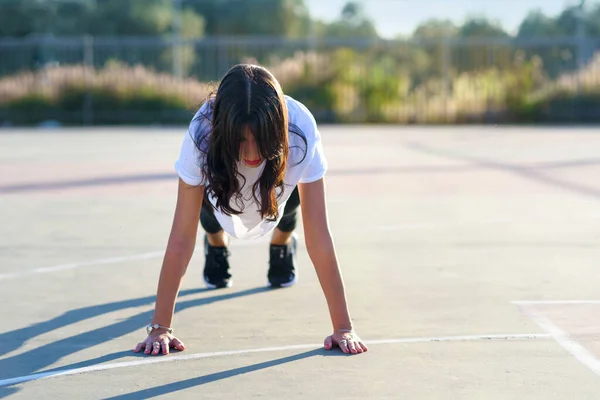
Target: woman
point(251, 157)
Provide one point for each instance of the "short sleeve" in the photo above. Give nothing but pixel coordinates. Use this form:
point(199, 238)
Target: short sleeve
point(316, 162)
point(189, 164)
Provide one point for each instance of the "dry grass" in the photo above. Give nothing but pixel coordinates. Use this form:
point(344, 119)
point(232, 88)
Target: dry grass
point(341, 82)
point(117, 79)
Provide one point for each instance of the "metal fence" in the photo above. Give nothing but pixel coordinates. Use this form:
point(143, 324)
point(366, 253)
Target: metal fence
point(151, 80)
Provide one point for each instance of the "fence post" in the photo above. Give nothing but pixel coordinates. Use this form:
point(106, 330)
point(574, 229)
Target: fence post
point(581, 42)
point(223, 53)
point(177, 58)
point(446, 65)
point(312, 36)
point(88, 62)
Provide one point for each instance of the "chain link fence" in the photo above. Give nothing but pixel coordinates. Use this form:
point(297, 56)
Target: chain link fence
point(92, 80)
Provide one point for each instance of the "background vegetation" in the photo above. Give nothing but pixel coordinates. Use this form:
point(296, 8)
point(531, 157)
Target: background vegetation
point(131, 62)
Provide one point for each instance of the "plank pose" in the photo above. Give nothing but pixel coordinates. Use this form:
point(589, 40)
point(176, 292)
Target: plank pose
point(251, 158)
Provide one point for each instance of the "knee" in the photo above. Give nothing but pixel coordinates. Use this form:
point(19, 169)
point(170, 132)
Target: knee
point(288, 223)
point(209, 222)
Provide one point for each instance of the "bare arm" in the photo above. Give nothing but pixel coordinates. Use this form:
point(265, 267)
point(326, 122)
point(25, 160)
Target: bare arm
point(180, 248)
point(321, 250)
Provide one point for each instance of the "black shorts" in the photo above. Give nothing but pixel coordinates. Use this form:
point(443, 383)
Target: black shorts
point(287, 224)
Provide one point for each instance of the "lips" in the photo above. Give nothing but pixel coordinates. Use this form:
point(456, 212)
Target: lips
point(252, 163)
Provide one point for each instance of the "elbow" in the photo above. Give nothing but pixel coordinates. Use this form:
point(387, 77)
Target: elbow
point(178, 256)
point(181, 244)
point(318, 242)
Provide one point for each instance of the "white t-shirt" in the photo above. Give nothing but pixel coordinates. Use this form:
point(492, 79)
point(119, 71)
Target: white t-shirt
point(249, 224)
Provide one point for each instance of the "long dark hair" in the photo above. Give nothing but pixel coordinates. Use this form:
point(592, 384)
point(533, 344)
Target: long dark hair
point(248, 98)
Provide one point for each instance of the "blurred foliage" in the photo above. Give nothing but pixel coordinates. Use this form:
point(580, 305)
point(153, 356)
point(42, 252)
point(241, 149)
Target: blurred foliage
point(343, 71)
point(338, 86)
point(286, 18)
point(115, 94)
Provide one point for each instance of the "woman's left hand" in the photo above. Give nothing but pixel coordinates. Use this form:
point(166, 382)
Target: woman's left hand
point(348, 341)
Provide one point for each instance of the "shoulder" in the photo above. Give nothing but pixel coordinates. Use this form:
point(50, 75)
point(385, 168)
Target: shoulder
point(204, 114)
point(201, 125)
point(301, 117)
point(193, 148)
point(306, 147)
point(298, 112)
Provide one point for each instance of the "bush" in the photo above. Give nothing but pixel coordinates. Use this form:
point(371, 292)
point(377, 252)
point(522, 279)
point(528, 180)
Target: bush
point(340, 85)
point(572, 98)
point(377, 86)
point(114, 95)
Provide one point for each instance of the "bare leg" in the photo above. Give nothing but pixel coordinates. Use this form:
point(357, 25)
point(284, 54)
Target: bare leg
point(281, 238)
point(218, 239)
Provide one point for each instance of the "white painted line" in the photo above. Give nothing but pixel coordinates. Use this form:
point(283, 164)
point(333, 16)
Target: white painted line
point(171, 358)
point(578, 351)
point(468, 338)
point(555, 302)
point(104, 261)
point(241, 243)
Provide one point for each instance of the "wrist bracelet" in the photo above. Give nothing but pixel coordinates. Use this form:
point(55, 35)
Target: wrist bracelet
point(153, 327)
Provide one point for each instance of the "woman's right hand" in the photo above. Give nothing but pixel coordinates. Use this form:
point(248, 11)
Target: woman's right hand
point(159, 341)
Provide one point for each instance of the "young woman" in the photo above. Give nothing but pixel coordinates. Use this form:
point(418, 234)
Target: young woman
point(251, 157)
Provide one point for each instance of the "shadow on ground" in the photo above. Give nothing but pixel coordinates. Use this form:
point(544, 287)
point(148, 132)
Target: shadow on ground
point(477, 164)
point(531, 173)
point(202, 380)
point(35, 360)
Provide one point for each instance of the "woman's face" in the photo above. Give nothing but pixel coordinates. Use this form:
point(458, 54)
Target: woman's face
point(249, 151)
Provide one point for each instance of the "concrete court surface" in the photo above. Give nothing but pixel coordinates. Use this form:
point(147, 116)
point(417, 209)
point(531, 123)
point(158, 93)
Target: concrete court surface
point(470, 256)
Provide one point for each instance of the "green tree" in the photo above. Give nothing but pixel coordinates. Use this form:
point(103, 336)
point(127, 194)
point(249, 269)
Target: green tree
point(435, 29)
point(570, 18)
point(95, 17)
point(558, 58)
point(131, 18)
point(537, 24)
point(433, 49)
point(288, 18)
point(593, 20)
point(352, 23)
point(554, 56)
point(481, 27)
point(142, 18)
point(25, 17)
point(473, 54)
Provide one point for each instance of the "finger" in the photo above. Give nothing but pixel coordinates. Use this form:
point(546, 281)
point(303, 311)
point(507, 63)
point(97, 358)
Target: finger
point(356, 343)
point(155, 348)
point(352, 347)
point(178, 344)
point(363, 346)
point(139, 347)
point(328, 343)
point(344, 346)
point(165, 346)
point(148, 348)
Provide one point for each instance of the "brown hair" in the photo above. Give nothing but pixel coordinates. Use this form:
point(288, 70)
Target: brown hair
point(248, 98)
